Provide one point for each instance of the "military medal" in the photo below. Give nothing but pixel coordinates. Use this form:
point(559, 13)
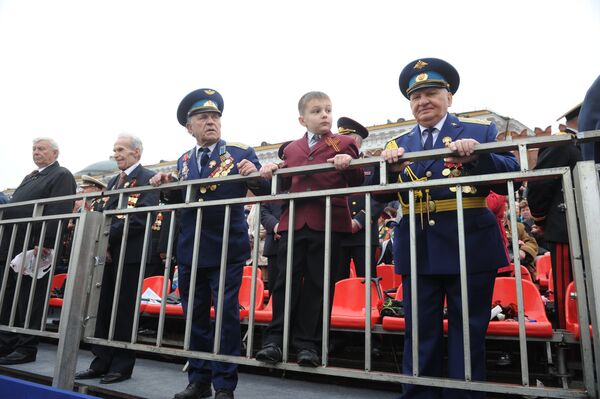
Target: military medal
point(212, 164)
point(157, 222)
point(446, 172)
point(203, 190)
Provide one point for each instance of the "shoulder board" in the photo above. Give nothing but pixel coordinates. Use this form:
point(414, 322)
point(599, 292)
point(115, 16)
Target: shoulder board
point(391, 143)
point(400, 135)
point(188, 153)
point(476, 121)
point(239, 145)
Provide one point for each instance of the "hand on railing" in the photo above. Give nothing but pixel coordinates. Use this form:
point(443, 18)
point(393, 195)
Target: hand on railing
point(161, 178)
point(465, 149)
point(266, 171)
point(391, 156)
point(341, 161)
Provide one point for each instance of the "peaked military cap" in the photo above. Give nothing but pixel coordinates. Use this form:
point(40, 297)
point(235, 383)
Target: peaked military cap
point(87, 181)
point(281, 148)
point(197, 102)
point(346, 126)
point(428, 72)
point(572, 113)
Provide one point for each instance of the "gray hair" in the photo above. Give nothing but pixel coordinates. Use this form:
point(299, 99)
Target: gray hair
point(311, 95)
point(53, 144)
point(135, 142)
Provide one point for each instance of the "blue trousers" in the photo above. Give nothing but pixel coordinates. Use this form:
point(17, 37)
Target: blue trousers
point(222, 375)
point(432, 290)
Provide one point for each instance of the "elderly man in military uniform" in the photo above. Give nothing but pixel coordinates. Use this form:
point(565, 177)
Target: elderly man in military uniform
point(429, 84)
point(200, 112)
point(49, 179)
point(353, 244)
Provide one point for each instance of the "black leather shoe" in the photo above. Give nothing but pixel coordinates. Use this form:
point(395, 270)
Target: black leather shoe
point(308, 358)
point(195, 390)
point(87, 374)
point(223, 394)
point(17, 358)
point(270, 354)
point(112, 377)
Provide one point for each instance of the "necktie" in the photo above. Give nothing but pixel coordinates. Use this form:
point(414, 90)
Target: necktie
point(121, 182)
point(34, 174)
point(429, 139)
point(314, 140)
point(204, 157)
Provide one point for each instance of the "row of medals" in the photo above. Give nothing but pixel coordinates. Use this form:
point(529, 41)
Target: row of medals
point(223, 170)
point(456, 170)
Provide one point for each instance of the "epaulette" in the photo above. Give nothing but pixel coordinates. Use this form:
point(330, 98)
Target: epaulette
point(391, 143)
point(476, 121)
point(239, 145)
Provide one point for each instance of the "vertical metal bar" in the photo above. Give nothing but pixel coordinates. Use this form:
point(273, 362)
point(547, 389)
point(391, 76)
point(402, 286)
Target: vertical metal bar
point(274, 181)
point(222, 276)
point(138, 298)
point(165, 288)
point(5, 276)
point(382, 172)
point(57, 241)
point(117, 288)
point(193, 274)
point(73, 309)
point(34, 279)
point(288, 281)
point(253, 299)
point(368, 276)
point(587, 190)
point(15, 302)
point(413, 283)
point(464, 294)
point(326, 283)
point(519, 282)
point(523, 160)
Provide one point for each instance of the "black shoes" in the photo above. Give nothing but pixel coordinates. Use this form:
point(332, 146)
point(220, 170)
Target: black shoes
point(196, 390)
point(223, 394)
point(111, 378)
point(270, 354)
point(17, 358)
point(308, 358)
point(87, 374)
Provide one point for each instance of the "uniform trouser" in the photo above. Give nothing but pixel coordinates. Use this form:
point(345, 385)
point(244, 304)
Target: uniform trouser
point(357, 254)
point(109, 359)
point(432, 289)
point(223, 375)
point(562, 276)
point(306, 318)
point(22, 343)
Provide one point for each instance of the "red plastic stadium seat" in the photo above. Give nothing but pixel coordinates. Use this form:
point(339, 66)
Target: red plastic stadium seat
point(57, 283)
point(543, 267)
point(155, 283)
point(248, 271)
point(348, 309)
point(244, 297)
point(536, 322)
point(571, 313)
point(394, 323)
point(264, 315)
point(389, 278)
point(352, 269)
point(525, 275)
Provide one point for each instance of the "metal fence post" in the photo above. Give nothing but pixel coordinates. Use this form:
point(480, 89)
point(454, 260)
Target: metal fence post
point(73, 310)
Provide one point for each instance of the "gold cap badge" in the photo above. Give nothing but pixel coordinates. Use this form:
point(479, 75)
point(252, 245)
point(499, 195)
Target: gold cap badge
point(420, 64)
point(422, 77)
point(209, 92)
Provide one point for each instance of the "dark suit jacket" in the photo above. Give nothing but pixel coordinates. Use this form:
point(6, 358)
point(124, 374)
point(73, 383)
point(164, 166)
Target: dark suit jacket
point(137, 222)
point(589, 119)
point(437, 246)
point(270, 212)
point(357, 211)
point(225, 158)
point(311, 212)
point(54, 181)
point(545, 197)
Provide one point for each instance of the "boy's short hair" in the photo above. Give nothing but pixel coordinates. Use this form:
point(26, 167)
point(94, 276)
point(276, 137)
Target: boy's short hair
point(311, 95)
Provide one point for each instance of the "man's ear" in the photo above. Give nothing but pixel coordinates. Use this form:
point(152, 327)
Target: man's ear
point(449, 99)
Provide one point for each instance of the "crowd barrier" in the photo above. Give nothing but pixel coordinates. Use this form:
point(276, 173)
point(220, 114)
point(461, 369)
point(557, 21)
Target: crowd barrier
point(90, 241)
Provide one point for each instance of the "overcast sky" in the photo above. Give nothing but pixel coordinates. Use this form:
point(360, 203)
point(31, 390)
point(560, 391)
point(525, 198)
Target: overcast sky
point(82, 72)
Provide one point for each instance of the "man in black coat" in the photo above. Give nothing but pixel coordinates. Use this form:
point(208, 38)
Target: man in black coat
point(116, 364)
point(48, 180)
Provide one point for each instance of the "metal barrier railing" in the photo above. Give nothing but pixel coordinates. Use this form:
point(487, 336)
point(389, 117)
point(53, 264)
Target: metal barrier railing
point(91, 241)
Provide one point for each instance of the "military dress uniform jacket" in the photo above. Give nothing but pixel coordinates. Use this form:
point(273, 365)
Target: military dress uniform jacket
point(437, 244)
point(223, 162)
point(140, 176)
point(53, 181)
point(311, 212)
point(545, 197)
point(356, 203)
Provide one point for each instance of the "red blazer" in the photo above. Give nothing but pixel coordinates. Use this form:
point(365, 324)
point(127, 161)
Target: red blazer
point(311, 212)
